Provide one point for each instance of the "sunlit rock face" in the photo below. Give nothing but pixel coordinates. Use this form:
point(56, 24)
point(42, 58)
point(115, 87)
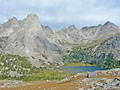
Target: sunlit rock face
point(28, 38)
point(43, 45)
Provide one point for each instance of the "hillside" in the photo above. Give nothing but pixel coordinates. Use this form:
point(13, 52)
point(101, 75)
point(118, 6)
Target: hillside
point(44, 46)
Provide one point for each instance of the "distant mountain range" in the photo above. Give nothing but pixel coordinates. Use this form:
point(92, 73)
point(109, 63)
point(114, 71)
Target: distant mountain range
point(44, 46)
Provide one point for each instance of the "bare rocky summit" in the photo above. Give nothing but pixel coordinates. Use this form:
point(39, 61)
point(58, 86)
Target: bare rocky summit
point(28, 37)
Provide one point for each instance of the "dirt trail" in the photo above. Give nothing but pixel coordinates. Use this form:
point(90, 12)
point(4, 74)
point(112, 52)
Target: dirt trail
point(73, 84)
point(76, 83)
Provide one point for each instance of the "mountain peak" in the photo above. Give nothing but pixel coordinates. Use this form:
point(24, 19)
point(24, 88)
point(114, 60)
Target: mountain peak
point(110, 24)
point(32, 20)
point(91, 27)
point(72, 27)
point(33, 17)
point(47, 27)
point(11, 22)
point(13, 19)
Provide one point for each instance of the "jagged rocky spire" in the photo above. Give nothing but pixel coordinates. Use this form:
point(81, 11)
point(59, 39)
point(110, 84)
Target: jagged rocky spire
point(12, 22)
point(32, 20)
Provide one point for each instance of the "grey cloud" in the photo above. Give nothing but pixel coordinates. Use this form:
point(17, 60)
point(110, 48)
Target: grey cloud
point(63, 12)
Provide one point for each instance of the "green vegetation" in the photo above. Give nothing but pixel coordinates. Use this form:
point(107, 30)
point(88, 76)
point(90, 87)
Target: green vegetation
point(88, 56)
point(15, 67)
point(16, 64)
point(108, 61)
point(78, 55)
point(47, 75)
point(42, 74)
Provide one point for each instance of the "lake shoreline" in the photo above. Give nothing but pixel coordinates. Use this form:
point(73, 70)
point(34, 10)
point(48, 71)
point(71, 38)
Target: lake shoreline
point(79, 69)
point(78, 64)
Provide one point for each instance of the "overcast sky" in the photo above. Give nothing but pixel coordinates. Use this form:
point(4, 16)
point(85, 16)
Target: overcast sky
point(60, 13)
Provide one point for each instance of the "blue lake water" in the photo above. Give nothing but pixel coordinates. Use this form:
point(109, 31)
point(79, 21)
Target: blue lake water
point(82, 68)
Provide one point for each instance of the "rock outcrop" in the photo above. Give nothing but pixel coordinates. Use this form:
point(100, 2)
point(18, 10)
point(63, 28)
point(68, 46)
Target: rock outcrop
point(28, 37)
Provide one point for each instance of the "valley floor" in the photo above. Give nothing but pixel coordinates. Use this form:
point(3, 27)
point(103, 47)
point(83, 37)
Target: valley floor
point(105, 80)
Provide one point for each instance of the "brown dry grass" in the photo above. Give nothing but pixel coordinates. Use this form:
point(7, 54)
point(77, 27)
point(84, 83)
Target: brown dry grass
point(47, 86)
point(74, 84)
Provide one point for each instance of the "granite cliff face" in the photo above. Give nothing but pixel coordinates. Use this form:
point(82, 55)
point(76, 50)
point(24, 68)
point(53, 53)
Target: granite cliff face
point(29, 38)
point(44, 46)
